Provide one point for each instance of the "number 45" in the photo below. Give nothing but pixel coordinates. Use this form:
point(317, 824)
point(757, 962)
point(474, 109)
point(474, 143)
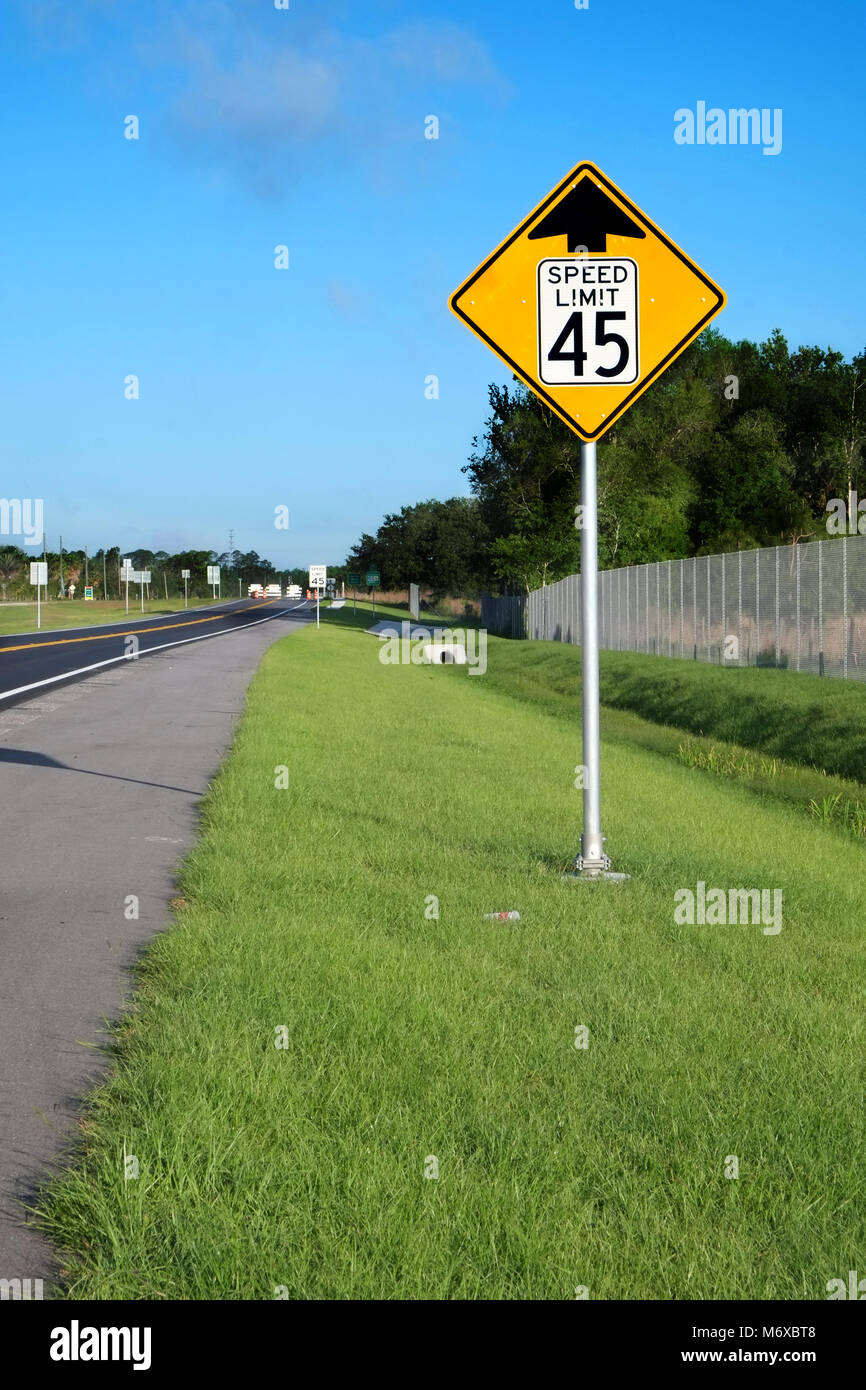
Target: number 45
point(574, 326)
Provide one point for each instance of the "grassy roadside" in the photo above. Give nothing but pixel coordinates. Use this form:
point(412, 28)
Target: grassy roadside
point(409, 1037)
point(787, 714)
point(72, 613)
point(547, 675)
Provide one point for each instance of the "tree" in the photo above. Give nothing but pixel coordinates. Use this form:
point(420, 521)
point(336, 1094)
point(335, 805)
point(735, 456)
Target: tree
point(13, 565)
point(439, 545)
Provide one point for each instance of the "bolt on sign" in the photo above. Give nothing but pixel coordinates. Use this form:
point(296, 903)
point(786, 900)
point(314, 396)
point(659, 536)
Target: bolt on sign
point(588, 301)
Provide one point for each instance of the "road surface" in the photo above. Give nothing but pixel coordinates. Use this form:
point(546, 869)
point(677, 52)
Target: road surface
point(102, 776)
point(33, 661)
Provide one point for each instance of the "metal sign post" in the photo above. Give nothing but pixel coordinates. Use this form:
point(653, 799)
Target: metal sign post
point(39, 576)
point(592, 860)
point(184, 574)
point(354, 581)
point(126, 575)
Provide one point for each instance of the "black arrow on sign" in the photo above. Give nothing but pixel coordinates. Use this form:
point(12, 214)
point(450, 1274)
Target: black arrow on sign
point(587, 216)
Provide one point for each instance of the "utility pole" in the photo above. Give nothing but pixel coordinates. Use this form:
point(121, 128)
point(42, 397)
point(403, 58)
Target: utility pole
point(85, 567)
point(62, 589)
point(104, 576)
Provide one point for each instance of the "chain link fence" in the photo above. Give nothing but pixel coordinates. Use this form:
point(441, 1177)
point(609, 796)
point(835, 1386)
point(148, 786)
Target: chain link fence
point(802, 607)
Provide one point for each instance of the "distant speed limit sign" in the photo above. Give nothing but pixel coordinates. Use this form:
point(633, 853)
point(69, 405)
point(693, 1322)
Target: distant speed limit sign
point(587, 321)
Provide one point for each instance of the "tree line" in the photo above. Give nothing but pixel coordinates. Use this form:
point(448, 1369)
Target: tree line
point(737, 446)
point(102, 569)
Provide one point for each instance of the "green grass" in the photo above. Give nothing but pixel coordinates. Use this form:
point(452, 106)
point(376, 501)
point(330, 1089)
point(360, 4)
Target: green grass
point(74, 613)
point(809, 720)
point(548, 676)
point(409, 1037)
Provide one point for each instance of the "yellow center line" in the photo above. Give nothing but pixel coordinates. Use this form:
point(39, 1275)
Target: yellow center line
point(127, 632)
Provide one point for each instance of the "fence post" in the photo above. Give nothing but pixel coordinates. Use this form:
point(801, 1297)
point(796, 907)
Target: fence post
point(757, 605)
point(798, 557)
point(658, 569)
point(670, 628)
point(844, 607)
point(709, 611)
point(724, 614)
point(739, 607)
point(627, 613)
point(820, 608)
point(778, 646)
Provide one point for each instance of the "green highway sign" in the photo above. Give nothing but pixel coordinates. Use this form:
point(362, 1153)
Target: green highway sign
point(354, 581)
point(374, 580)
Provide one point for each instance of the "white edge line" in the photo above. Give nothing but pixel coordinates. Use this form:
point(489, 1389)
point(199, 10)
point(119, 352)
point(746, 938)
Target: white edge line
point(112, 660)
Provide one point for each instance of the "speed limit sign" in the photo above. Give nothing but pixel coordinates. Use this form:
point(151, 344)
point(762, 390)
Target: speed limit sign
point(587, 321)
point(588, 301)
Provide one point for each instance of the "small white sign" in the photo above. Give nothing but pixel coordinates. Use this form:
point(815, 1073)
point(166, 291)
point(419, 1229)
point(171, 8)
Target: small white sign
point(318, 576)
point(145, 576)
point(184, 574)
point(38, 571)
point(213, 574)
point(587, 321)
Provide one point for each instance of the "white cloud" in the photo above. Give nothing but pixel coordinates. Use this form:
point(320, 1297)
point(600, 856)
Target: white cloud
point(242, 92)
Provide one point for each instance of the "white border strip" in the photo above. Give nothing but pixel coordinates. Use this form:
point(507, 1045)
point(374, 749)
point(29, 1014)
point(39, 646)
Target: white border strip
point(112, 660)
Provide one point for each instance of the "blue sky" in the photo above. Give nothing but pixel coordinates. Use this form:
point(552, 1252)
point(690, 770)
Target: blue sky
point(304, 388)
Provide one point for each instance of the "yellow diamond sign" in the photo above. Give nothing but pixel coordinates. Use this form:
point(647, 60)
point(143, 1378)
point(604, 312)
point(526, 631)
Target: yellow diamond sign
point(588, 301)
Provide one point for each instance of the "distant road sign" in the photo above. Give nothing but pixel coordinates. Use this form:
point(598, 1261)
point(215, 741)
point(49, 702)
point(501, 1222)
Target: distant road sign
point(354, 581)
point(213, 574)
point(588, 301)
point(184, 574)
point(88, 593)
point(38, 571)
point(318, 576)
point(374, 579)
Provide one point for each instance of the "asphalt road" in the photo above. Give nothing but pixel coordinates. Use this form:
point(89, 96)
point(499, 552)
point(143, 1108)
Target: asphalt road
point(35, 660)
point(102, 776)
